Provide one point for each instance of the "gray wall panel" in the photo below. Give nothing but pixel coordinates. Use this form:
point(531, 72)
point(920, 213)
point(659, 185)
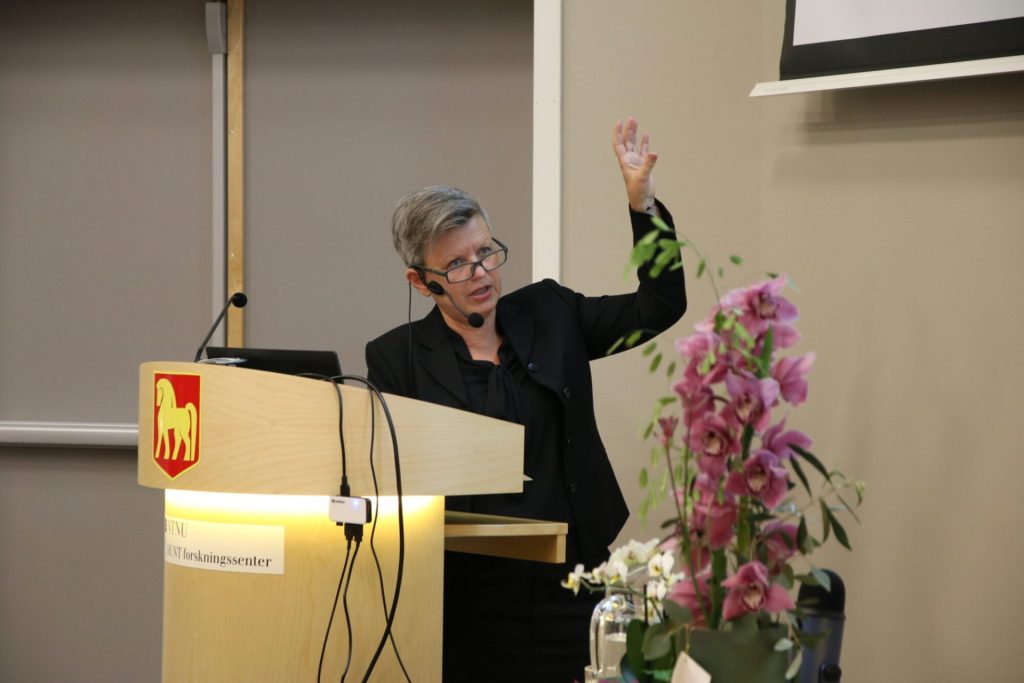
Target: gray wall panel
point(81, 568)
point(104, 201)
point(349, 106)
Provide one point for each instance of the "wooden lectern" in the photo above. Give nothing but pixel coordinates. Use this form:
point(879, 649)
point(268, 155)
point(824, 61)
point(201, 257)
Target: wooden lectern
point(214, 436)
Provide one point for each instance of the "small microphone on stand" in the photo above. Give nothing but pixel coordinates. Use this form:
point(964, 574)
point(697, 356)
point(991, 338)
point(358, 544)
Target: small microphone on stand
point(239, 300)
point(474, 319)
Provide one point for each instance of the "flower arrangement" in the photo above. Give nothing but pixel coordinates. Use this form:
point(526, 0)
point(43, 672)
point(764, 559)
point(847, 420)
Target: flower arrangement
point(746, 516)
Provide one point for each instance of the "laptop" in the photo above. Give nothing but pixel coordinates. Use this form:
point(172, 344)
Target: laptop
point(286, 361)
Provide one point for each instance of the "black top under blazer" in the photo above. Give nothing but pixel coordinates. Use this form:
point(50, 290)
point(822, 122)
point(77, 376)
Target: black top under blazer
point(555, 333)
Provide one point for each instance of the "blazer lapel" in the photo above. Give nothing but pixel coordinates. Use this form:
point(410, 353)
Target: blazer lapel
point(437, 358)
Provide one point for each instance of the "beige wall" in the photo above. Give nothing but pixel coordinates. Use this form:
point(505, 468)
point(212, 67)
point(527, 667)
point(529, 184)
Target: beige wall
point(898, 212)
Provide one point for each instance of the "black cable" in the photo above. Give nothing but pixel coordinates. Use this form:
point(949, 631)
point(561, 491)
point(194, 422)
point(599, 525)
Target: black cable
point(401, 522)
point(341, 579)
point(408, 316)
point(357, 534)
point(373, 533)
point(344, 489)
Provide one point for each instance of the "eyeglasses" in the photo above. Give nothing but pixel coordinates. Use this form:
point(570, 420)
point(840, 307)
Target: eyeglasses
point(494, 260)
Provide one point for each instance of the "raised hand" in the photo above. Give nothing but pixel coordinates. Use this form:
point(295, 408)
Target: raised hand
point(636, 162)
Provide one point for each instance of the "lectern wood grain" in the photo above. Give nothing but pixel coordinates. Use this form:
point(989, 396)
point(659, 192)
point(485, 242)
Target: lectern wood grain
point(263, 432)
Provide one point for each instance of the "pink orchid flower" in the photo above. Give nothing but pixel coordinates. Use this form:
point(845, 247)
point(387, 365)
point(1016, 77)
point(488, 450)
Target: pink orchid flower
point(696, 348)
point(752, 399)
point(668, 429)
point(700, 554)
point(762, 477)
point(791, 374)
point(714, 519)
point(697, 398)
point(783, 336)
point(763, 305)
point(750, 592)
point(685, 593)
point(779, 442)
point(779, 541)
point(713, 441)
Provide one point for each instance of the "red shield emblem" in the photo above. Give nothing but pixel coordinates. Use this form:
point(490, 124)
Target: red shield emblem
point(176, 411)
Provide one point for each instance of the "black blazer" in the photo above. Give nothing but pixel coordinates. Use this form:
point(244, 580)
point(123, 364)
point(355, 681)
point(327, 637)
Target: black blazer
point(555, 333)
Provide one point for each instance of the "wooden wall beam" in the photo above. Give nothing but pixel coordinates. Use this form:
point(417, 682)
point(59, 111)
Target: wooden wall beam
point(236, 167)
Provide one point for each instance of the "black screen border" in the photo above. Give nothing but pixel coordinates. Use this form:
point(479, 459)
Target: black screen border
point(965, 42)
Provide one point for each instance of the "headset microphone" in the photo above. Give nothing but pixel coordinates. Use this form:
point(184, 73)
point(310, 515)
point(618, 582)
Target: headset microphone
point(474, 319)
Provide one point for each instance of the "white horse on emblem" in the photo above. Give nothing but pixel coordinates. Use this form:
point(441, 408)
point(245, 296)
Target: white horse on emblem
point(169, 417)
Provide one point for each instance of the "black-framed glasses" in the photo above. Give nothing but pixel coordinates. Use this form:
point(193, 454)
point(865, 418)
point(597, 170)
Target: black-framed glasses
point(494, 260)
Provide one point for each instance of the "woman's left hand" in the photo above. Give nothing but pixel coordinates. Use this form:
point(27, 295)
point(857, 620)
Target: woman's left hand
point(636, 162)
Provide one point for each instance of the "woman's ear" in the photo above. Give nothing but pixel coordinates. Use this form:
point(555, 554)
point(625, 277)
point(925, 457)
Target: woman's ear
point(415, 278)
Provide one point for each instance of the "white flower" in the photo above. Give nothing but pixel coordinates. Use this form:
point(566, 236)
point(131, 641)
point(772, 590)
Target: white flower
point(673, 579)
point(616, 571)
point(654, 591)
point(657, 589)
point(639, 553)
point(660, 565)
point(599, 574)
point(572, 582)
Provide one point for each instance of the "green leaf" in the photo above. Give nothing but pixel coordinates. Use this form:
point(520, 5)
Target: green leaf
point(618, 342)
point(633, 338)
point(826, 519)
point(821, 577)
point(665, 400)
point(736, 259)
point(656, 641)
point(794, 666)
point(660, 224)
point(766, 352)
point(701, 267)
point(635, 644)
point(671, 370)
point(649, 430)
point(677, 614)
point(663, 484)
point(772, 276)
point(839, 531)
point(655, 363)
point(803, 537)
point(649, 349)
point(799, 473)
point(743, 333)
point(721, 272)
point(655, 456)
point(786, 577)
point(664, 258)
point(643, 477)
point(783, 645)
point(745, 624)
point(848, 507)
point(811, 458)
point(649, 238)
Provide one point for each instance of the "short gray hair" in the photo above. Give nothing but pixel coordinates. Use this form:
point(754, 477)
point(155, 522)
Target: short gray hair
point(422, 216)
